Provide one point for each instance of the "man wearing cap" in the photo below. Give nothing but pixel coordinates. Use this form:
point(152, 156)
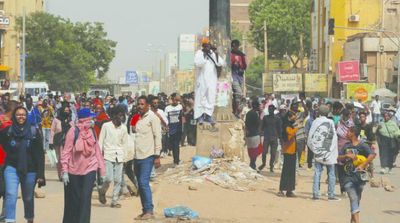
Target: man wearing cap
point(322, 140)
point(206, 62)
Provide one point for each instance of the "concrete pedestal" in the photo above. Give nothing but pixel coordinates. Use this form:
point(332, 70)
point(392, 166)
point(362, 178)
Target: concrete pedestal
point(227, 136)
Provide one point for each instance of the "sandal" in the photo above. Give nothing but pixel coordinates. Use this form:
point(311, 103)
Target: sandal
point(116, 205)
point(144, 217)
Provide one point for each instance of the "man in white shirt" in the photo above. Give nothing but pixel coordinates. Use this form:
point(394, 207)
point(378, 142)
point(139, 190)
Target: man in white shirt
point(376, 110)
point(206, 62)
point(112, 139)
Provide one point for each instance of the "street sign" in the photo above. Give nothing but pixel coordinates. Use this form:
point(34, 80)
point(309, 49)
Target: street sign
point(287, 82)
point(131, 77)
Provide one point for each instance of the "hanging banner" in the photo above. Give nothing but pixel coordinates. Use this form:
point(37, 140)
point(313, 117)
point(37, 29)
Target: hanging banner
point(349, 71)
point(315, 83)
point(361, 91)
point(287, 82)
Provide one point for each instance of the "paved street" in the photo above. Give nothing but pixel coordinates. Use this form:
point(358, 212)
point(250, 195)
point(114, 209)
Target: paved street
point(215, 204)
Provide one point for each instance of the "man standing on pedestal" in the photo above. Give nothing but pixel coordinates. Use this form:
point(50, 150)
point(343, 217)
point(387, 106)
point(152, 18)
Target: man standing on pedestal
point(206, 61)
point(238, 67)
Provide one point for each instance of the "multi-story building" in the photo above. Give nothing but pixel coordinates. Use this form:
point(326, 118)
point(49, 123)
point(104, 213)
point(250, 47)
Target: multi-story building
point(170, 63)
point(10, 44)
point(240, 19)
point(350, 18)
point(186, 51)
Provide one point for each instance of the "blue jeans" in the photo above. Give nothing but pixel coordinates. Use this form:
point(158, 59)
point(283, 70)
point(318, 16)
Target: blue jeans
point(376, 118)
point(12, 181)
point(317, 178)
point(143, 169)
point(354, 192)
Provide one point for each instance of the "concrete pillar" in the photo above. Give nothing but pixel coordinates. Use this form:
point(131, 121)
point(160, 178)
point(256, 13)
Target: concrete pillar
point(228, 134)
point(220, 32)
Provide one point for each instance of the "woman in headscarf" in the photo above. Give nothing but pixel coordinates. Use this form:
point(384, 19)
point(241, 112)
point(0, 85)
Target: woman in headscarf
point(288, 175)
point(5, 120)
point(24, 163)
point(388, 133)
point(59, 128)
point(80, 159)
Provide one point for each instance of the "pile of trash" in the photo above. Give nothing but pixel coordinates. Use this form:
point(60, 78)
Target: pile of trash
point(228, 173)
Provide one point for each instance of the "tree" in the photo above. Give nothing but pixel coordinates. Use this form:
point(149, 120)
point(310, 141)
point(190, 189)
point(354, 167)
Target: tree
point(236, 33)
point(254, 76)
point(66, 55)
point(287, 21)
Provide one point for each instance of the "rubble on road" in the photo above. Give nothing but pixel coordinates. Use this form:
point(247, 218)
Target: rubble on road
point(231, 174)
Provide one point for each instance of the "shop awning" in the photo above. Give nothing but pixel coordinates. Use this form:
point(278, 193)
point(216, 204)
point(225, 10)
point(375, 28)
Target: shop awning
point(4, 68)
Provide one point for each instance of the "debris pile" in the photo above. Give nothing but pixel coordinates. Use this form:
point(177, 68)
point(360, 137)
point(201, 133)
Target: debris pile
point(231, 174)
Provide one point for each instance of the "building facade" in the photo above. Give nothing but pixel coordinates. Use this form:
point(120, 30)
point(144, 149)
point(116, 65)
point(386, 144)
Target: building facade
point(350, 18)
point(11, 39)
point(240, 19)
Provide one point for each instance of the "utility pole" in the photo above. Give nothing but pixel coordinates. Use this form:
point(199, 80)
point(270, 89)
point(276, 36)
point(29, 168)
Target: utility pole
point(23, 71)
point(244, 45)
point(265, 48)
point(302, 61)
point(267, 80)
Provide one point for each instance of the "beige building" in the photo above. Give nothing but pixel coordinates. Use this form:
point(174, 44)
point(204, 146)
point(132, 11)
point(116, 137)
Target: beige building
point(240, 17)
point(10, 44)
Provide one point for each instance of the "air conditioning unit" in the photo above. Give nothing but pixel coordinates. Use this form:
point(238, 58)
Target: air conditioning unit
point(354, 18)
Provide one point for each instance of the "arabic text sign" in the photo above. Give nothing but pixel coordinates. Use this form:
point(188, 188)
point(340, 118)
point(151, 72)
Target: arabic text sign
point(315, 83)
point(349, 71)
point(287, 82)
point(131, 77)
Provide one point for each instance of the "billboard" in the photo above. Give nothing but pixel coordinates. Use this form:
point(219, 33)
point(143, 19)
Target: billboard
point(287, 82)
point(349, 71)
point(131, 77)
point(363, 91)
point(315, 83)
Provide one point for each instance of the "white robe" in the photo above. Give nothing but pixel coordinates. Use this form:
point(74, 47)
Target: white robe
point(206, 83)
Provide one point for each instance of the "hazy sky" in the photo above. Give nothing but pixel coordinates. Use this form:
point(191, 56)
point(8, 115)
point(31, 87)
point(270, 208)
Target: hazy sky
point(136, 23)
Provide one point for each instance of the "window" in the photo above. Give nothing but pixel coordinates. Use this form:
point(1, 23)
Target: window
point(1, 5)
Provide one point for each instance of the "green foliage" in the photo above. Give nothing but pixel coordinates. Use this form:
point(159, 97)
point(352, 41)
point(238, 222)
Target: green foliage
point(236, 33)
point(254, 76)
point(66, 55)
point(286, 21)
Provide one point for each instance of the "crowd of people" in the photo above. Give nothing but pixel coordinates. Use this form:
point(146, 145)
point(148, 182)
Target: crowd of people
point(93, 142)
point(343, 137)
point(99, 142)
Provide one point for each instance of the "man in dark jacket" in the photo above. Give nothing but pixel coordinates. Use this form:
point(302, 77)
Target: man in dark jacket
point(272, 127)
